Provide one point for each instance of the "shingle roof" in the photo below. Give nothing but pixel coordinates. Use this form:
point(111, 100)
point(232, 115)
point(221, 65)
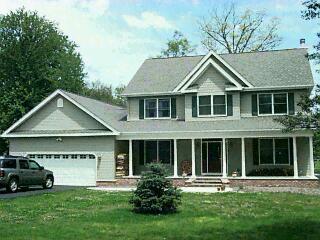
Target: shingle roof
point(277, 68)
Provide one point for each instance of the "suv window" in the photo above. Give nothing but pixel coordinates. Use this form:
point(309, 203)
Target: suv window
point(23, 164)
point(8, 163)
point(34, 165)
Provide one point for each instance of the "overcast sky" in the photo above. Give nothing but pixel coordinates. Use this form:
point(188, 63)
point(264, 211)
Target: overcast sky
point(115, 36)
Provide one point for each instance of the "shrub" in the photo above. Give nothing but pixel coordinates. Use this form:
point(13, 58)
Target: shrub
point(155, 193)
point(271, 172)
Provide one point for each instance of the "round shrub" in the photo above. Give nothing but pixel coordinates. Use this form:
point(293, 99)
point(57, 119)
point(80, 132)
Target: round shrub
point(155, 193)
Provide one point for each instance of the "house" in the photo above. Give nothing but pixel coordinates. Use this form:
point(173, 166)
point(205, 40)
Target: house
point(201, 116)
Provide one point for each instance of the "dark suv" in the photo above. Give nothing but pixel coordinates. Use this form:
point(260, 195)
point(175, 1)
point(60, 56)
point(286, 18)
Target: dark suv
point(18, 172)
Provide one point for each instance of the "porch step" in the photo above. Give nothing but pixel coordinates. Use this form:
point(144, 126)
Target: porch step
point(208, 182)
point(205, 185)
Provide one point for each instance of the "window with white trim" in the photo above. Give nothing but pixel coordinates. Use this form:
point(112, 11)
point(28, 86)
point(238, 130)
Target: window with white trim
point(74, 156)
point(274, 151)
point(212, 105)
point(157, 107)
point(273, 103)
point(56, 156)
point(83, 156)
point(158, 151)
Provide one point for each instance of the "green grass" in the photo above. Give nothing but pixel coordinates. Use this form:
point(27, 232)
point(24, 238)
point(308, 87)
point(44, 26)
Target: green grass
point(317, 167)
point(84, 214)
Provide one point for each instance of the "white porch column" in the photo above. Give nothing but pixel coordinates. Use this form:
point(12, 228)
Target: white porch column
point(243, 158)
point(193, 157)
point(311, 157)
point(130, 159)
point(295, 158)
point(175, 158)
point(224, 158)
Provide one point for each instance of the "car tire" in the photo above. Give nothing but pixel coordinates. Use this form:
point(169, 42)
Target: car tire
point(48, 184)
point(12, 185)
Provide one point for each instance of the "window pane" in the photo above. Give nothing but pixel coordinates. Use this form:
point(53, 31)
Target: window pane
point(23, 164)
point(266, 151)
point(34, 165)
point(204, 100)
point(151, 108)
point(219, 110)
point(164, 107)
point(280, 103)
point(219, 99)
point(164, 151)
point(204, 110)
point(265, 104)
point(151, 151)
point(8, 163)
point(281, 151)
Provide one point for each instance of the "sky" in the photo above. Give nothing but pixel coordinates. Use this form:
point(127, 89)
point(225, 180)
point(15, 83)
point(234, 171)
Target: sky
point(116, 36)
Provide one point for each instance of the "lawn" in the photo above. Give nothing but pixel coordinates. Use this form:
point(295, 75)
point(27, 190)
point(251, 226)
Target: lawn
point(84, 214)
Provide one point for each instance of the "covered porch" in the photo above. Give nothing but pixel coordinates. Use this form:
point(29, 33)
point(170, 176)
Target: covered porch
point(233, 157)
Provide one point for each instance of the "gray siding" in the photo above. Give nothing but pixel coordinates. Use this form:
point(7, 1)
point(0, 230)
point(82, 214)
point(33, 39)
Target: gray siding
point(102, 147)
point(70, 117)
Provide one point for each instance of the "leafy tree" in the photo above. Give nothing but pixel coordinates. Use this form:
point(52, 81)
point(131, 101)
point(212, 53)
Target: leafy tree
point(105, 93)
point(233, 31)
point(178, 46)
point(309, 116)
point(155, 193)
point(35, 59)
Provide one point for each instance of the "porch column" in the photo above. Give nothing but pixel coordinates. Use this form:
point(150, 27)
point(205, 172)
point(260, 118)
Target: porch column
point(175, 158)
point(193, 157)
point(130, 159)
point(295, 158)
point(224, 158)
point(243, 158)
point(311, 156)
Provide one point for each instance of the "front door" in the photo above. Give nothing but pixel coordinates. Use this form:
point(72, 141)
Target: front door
point(211, 157)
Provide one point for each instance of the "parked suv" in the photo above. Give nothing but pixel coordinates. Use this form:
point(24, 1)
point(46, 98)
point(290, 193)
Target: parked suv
point(18, 172)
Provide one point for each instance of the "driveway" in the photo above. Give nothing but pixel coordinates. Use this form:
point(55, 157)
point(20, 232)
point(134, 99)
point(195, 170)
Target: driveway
point(33, 191)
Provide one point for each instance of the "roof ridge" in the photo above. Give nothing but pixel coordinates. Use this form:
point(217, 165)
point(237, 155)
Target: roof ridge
point(201, 55)
point(93, 99)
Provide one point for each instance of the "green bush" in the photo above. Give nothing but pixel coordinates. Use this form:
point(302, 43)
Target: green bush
point(155, 193)
point(271, 172)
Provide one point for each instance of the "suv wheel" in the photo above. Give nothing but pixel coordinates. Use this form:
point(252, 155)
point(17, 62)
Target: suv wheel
point(12, 185)
point(48, 183)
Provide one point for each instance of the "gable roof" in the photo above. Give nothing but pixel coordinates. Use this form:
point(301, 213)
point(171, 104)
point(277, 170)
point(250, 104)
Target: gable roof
point(267, 69)
point(73, 99)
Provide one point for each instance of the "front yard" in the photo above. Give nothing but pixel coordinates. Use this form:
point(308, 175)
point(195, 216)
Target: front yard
point(85, 214)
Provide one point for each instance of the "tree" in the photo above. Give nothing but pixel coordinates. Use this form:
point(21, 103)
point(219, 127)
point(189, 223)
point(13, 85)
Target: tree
point(105, 93)
point(35, 59)
point(309, 115)
point(233, 31)
point(178, 46)
point(155, 193)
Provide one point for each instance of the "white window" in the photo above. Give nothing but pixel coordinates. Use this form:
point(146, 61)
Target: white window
point(158, 151)
point(83, 156)
point(273, 103)
point(32, 156)
point(40, 156)
point(64, 156)
point(56, 156)
point(91, 156)
point(274, 151)
point(157, 108)
point(48, 156)
point(212, 105)
point(74, 156)
point(60, 103)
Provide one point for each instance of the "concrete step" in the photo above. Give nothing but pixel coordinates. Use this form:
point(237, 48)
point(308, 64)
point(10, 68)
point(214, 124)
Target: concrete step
point(205, 185)
point(207, 181)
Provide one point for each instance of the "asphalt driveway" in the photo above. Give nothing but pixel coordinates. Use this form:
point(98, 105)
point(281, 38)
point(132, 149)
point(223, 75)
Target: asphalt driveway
point(33, 191)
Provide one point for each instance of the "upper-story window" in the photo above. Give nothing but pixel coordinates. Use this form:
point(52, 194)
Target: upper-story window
point(157, 108)
point(212, 105)
point(273, 103)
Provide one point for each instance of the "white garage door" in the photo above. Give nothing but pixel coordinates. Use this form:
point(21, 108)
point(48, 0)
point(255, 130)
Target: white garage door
point(69, 169)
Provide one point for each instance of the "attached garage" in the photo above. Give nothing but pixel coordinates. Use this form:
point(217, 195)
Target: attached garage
point(69, 169)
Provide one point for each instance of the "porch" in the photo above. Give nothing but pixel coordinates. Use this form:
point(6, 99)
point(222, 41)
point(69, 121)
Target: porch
point(236, 158)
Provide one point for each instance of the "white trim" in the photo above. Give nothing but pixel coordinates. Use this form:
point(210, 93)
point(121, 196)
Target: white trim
point(272, 104)
point(157, 107)
point(224, 158)
point(130, 159)
point(207, 141)
point(211, 105)
point(14, 135)
point(274, 152)
point(204, 68)
point(295, 158)
point(243, 158)
point(311, 161)
point(277, 88)
point(193, 158)
point(48, 99)
point(175, 157)
point(203, 60)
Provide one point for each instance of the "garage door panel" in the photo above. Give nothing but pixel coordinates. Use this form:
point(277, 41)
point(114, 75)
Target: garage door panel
point(67, 171)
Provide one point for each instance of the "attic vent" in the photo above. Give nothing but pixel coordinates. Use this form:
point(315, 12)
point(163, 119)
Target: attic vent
point(60, 103)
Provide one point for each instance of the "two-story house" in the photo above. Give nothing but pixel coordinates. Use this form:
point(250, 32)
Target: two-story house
point(206, 116)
